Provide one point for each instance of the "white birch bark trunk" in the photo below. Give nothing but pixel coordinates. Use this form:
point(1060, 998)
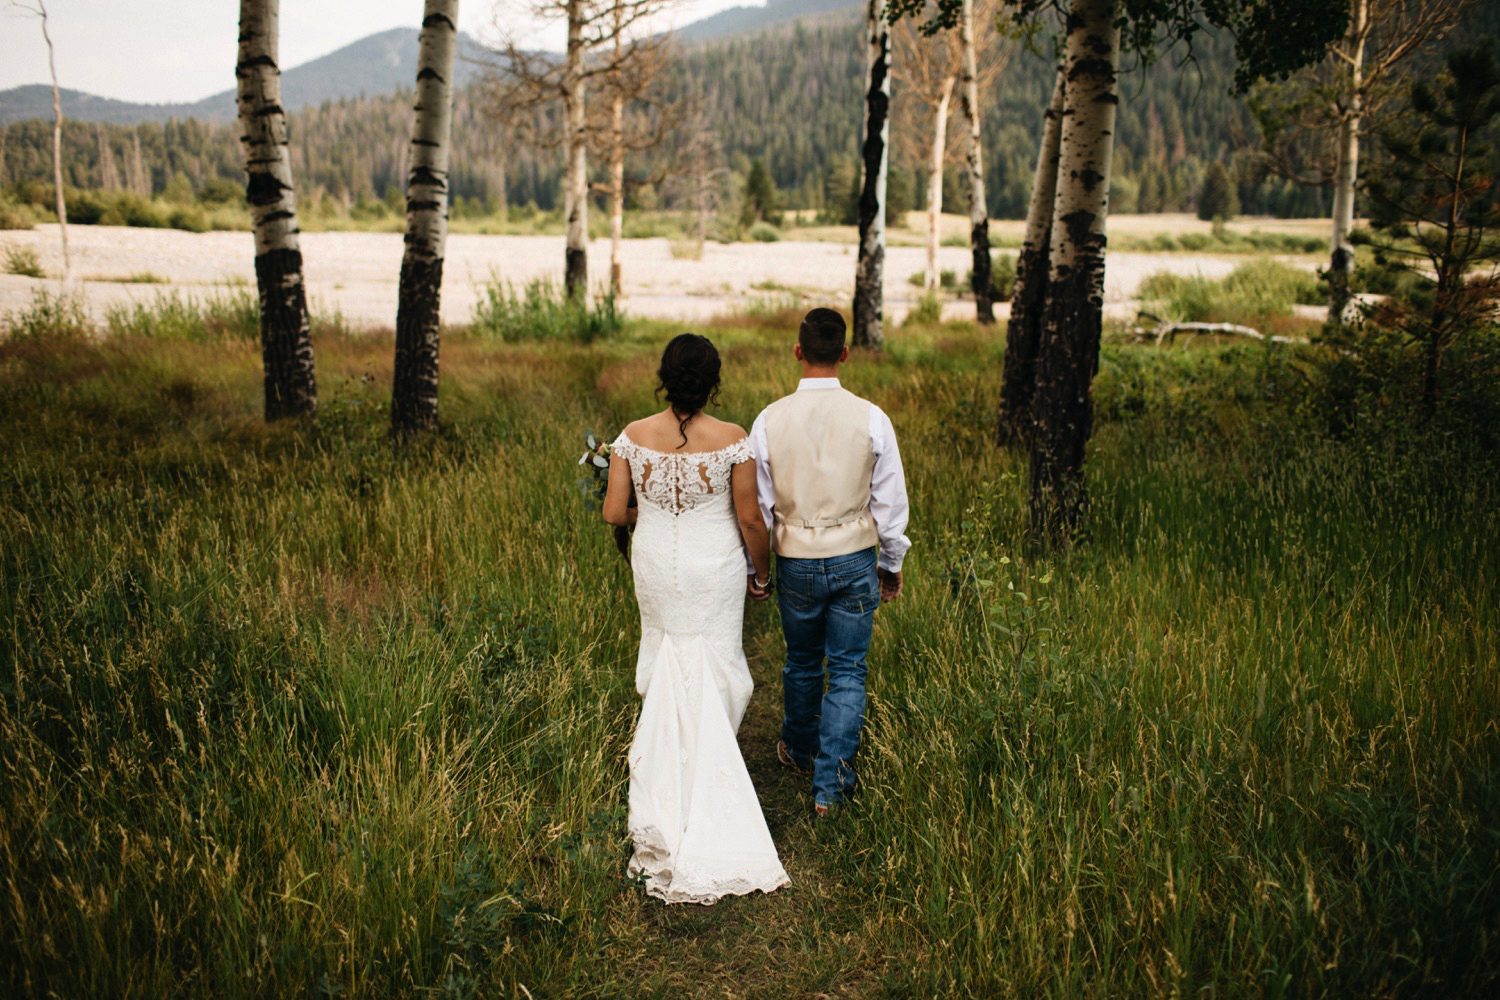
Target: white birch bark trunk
point(616, 195)
point(576, 190)
point(1028, 301)
point(979, 215)
point(935, 182)
point(1346, 170)
point(61, 201)
point(140, 183)
point(286, 341)
point(109, 172)
point(414, 397)
point(702, 186)
point(617, 165)
point(1062, 408)
point(869, 275)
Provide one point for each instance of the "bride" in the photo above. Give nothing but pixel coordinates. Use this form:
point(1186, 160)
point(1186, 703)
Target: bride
point(694, 817)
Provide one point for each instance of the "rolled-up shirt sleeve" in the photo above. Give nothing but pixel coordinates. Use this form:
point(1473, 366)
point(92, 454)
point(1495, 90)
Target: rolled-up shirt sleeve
point(888, 502)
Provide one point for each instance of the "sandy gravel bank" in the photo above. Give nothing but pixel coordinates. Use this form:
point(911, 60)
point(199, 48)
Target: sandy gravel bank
point(356, 273)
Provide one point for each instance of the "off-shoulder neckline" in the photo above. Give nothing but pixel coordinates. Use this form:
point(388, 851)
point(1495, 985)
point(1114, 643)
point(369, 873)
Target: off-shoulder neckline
point(684, 454)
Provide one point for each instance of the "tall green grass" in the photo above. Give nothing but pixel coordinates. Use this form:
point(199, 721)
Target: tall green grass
point(230, 313)
point(1253, 293)
point(1223, 240)
point(299, 709)
point(21, 260)
point(542, 311)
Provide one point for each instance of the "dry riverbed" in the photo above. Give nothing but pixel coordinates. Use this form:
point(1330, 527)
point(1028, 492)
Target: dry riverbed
point(355, 274)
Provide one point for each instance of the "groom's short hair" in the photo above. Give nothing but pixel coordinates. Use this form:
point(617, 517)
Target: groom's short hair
point(822, 336)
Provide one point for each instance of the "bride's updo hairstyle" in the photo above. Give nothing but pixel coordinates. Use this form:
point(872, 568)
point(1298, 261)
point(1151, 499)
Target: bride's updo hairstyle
point(688, 377)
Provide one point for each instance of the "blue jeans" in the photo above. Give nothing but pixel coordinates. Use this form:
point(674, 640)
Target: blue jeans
point(827, 611)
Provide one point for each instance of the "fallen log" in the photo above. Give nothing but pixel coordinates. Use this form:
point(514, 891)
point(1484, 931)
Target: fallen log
point(1166, 332)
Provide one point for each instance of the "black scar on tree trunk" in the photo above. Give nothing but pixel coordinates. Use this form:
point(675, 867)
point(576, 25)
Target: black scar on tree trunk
point(979, 239)
point(286, 343)
point(1062, 407)
point(576, 272)
point(414, 397)
point(874, 150)
point(868, 294)
point(1023, 337)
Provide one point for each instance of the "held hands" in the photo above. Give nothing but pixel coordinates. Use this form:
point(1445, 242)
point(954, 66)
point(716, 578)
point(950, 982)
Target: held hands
point(757, 589)
point(890, 585)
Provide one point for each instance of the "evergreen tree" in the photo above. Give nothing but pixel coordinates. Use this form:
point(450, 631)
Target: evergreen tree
point(1218, 199)
point(1436, 205)
point(760, 195)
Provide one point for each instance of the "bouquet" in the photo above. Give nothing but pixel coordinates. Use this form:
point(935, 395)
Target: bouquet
point(596, 460)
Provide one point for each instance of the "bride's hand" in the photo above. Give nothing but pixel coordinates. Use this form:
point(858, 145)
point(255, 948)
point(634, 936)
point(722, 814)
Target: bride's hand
point(757, 593)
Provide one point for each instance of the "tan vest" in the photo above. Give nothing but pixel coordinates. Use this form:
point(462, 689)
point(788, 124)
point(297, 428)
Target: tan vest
point(821, 460)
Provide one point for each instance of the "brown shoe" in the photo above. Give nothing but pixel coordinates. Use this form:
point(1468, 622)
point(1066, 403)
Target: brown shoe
point(784, 756)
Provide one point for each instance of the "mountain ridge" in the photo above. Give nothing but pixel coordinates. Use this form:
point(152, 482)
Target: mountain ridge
point(376, 65)
point(373, 66)
point(745, 20)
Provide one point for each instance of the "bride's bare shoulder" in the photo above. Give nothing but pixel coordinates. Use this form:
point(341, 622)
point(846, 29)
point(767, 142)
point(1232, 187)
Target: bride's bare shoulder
point(723, 432)
point(641, 430)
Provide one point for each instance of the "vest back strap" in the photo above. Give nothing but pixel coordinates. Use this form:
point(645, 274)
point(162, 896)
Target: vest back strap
point(823, 522)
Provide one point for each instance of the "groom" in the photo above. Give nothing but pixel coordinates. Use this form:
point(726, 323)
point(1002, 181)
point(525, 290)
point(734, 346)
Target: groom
point(832, 493)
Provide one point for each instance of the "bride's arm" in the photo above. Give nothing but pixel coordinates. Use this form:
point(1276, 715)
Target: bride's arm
point(752, 527)
point(617, 509)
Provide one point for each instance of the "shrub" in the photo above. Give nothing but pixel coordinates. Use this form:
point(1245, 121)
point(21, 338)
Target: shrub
point(764, 232)
point(15, 215)
point(927, 312)
point(23, 261)
point(686, 249)
point(1250, 294)
point(947, 279)
point(1276, 284)
point(1186, 298)
point(229, 316)
point(1372, 386)
point(542, 311)
point(1223, 240)
point(643, 226)
point(223, 191)
point(115, 208)
point(1002, 277)
point(190, 218)
point(56, 316)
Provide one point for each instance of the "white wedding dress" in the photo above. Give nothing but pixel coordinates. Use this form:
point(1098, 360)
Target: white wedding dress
point(694, 817)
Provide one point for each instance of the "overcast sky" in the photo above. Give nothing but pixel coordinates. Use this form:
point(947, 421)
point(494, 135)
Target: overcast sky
point(182, 50)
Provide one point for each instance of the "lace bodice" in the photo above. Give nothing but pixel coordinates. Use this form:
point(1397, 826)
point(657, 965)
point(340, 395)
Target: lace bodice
point(677, 481)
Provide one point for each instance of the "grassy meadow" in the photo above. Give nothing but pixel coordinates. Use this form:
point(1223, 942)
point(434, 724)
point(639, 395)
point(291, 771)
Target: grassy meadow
point(297, 710)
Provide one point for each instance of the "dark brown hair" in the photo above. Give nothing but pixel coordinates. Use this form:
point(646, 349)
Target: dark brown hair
point(688, 377)
point(822, 336)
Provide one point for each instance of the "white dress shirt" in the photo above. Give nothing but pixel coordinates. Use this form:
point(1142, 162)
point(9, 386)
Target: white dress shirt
point(888, 504)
